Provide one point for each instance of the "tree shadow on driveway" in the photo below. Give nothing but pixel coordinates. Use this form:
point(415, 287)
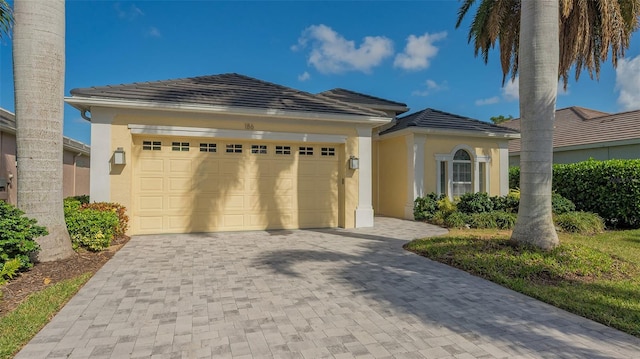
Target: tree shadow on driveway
point(372, 275)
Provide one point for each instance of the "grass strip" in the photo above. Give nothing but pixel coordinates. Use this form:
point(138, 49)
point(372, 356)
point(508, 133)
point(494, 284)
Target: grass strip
point(23, 323)
point(596, 277)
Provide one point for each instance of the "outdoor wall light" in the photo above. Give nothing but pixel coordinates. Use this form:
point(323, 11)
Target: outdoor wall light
point(354, 163)
point(118, 156)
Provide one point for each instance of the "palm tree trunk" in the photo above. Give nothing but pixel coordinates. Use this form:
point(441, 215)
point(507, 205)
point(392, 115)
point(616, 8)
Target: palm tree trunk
point(539, 59)
point(38, 68)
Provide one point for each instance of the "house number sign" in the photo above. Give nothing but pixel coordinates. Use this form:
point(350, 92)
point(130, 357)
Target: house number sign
point(248, 126)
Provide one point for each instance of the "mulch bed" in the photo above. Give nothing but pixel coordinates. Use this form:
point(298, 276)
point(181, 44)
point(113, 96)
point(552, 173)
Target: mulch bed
point(43, 275)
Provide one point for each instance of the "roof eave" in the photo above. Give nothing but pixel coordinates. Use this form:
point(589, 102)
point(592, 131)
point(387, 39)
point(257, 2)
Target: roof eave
point(85, 104)
point(427, 131)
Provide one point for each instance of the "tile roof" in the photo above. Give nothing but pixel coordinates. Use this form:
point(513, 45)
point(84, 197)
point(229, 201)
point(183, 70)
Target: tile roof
point(233, 90)
point(576, 126)
point(440, 120)
point(358, 98)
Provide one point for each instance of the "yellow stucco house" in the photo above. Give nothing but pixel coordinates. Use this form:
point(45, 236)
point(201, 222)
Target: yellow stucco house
point(229, 152)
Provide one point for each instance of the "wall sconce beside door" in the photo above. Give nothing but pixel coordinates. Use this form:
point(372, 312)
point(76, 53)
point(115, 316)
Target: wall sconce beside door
point(119, 157)
point(354, 163)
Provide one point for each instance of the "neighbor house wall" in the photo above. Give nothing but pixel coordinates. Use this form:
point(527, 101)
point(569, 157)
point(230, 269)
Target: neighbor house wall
point(600, 154)
point(75, 174)
point(8, 167)
point(75, 170)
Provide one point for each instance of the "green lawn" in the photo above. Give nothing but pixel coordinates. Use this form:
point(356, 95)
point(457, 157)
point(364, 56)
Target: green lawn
point(597, 277)
point(21, 324)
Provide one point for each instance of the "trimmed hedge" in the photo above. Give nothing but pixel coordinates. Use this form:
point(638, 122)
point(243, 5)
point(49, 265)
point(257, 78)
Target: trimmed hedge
point(608, 188)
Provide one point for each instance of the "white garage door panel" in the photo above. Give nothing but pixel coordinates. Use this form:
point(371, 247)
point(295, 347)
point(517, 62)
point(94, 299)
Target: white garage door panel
point(193, 191)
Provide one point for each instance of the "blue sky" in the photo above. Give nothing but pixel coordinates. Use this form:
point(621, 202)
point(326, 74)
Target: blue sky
point(407, 51)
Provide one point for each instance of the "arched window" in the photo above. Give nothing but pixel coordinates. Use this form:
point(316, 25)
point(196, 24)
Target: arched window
point(461, 176)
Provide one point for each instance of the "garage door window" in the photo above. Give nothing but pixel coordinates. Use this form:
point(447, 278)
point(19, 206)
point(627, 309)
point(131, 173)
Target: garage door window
point(259, 149)
point(328, 151)
point(151, 145)
point(208, 147)
point(234, 148)
point(305, 151)
point(283, 150)
point(180, 146)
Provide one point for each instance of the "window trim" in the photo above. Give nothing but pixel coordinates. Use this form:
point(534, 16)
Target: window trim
point(448, 160)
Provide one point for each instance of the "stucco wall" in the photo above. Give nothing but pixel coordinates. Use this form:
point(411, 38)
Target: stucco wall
point(390, 188)
point(442, 145)
point(121, 177)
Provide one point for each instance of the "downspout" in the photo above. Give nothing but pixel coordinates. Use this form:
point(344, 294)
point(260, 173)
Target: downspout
point(83, 114)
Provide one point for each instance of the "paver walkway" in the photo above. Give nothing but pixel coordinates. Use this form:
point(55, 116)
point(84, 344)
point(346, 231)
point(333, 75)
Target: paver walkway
point(308, 294)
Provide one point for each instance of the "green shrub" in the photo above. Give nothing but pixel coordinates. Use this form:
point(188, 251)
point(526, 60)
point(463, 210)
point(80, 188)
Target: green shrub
point(505, 220)
point(17, 236)
point(478, 202)
point(8, 270)
point(118, 209)
point(446, 206)
point(83, 199)
point(561, 205)
point(425, 207)
point(90, 228)
point(439, 218)
point(579, 222)
point(456, 219)
point(482, 220)
point(508, 203)
point(514, 177)
point(494, 219)
point(609, 188)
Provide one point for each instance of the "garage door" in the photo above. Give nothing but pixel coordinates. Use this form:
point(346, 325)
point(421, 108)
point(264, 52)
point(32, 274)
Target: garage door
point(184, 185)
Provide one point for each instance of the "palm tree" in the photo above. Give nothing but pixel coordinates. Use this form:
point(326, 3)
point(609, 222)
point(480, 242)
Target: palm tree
point(6, 17)
point(543, 39)
point(38, 69)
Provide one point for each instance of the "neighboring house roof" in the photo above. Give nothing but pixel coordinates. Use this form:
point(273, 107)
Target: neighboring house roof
point(439, 121)
point(223, 91)
point(8, 124)
point(365, 100)
point(577, 126)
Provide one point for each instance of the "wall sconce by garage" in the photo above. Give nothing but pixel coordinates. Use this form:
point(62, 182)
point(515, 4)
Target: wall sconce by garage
point(354, 163)
point(119, 157)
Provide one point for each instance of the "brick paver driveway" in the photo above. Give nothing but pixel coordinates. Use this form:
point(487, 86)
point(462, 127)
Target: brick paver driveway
point(308, 294)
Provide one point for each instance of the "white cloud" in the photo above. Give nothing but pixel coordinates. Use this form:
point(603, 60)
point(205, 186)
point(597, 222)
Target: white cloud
point(332, 53)
point(511, 90)
point(130, 13)
point(628, 83)
point(304, 76)
point(488, 101)
point(418, 52)
point(154, 32)
point(432, 87)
